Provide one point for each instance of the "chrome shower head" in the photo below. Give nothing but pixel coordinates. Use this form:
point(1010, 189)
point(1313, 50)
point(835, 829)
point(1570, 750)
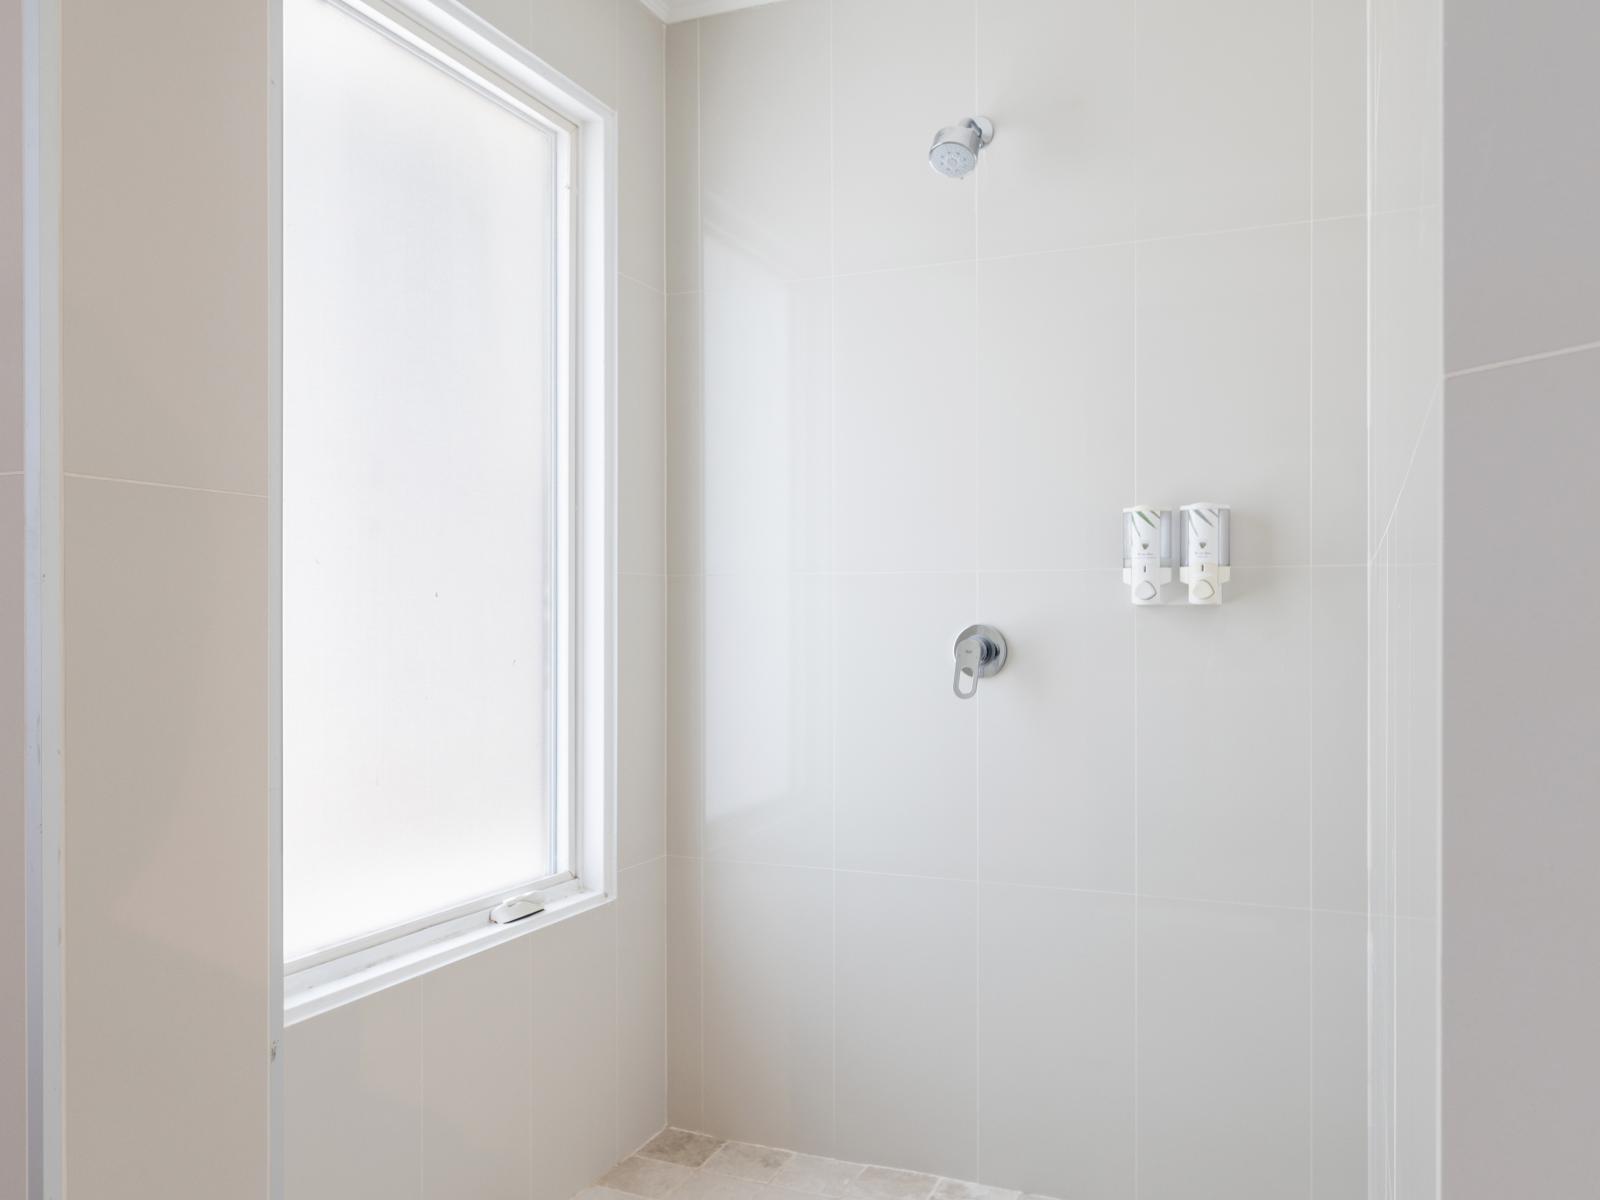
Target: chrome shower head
point(955, 149)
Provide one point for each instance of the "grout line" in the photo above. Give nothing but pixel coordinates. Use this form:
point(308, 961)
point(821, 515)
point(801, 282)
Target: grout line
point(658, 289)
point(176, 487)
point(1565, 351)
point(833, 716)
point(699, 399)
point(1311, 611)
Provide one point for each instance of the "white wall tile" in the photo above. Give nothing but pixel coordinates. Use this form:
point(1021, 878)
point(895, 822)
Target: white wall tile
point(905, 748)
point(1224, 1052)
point(1405, 347)
point(477, 1115)
point(1418, 1086)
point(767, 427)
point(1056, 1046)
point(641, 750)
point(907, 432)
point(1339, 107)
point(902, 69)
point(685, 1096)
point(641, 149)
point(1224, 369)
point(1520, 764)
point(13, 898)
point(165, 608)
point(1224, 115)
point(762, 92)
point(1339, 1055)
point(1404, 39)
point(573, 1018)
point(683, 157)
point(685, 715)
point(352, 1101)
point(1224, 796)
point(769, 1005)
point(908, 1022)
point(770, 669)
point(641, 1004)
point(641, 415)
point(1339, 738)
point(1058, 80)
point(685, 435)
point(579, 38)
point(1055, 408)
point(1521, 239)
point(1056, 733)
point(1339, 391)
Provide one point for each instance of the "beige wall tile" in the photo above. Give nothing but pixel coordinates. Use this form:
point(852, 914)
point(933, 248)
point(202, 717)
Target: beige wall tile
point(164, 110)
point(166, 954)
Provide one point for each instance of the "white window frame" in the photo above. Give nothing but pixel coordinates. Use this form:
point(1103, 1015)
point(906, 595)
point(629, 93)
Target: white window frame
point(447, 33)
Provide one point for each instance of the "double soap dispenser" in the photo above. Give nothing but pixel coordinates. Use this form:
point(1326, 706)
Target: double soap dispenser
point(1195, 539)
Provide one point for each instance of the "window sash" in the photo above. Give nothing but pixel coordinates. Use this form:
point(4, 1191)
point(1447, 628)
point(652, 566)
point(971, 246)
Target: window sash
point(360, 952)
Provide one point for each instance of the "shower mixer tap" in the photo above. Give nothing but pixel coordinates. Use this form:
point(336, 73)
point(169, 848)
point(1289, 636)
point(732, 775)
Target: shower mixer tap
point(980, 653)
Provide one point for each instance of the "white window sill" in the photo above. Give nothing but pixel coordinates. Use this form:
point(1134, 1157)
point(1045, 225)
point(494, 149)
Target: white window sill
point(310, 993)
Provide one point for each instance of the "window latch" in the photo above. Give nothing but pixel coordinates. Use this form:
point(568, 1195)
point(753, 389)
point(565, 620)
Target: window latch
point(516, 908)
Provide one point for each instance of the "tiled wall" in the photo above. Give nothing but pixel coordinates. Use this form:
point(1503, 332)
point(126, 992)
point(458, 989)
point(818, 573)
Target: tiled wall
point(1404, 441)
point(1521, 972)
point(13, 947)
point(1102, 932)
point(163, 421)
point(529, 1070)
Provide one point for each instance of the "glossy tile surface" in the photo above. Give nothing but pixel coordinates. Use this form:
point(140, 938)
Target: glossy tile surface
point(907, 1012)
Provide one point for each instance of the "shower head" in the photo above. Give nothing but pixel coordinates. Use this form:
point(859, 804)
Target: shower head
point(955, 149)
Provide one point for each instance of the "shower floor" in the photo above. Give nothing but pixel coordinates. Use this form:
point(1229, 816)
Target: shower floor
point(695, 1166)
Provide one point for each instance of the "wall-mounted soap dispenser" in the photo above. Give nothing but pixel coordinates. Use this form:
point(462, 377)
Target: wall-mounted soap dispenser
point(1146, 552)
point(1205, 554)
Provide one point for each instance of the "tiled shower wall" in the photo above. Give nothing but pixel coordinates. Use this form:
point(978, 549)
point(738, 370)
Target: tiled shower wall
point(528, 1070)
point(1102, 932)
point(13, 948)
point(1404, 444)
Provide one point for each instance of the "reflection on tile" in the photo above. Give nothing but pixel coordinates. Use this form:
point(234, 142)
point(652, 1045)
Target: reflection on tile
point(905, 378)
point(1056, 732)
point(907, 1004)
point(900, 213)
point(767, 423)
point(685, 1098)
point(1224, 109)
point(1056, 1041)
point(648, 1177)
point(352, 1082)
point(769, 1006)
point(905, 751)
point(682, 1146)
point(1060, 78)
point(1224, 805)
point(1224, 1052)
point(769, 732)
point(1057, 377)
point(641, 1003)
point(478, 1116)
point(641, 678)
point(759, 71)
point(745, 1161)
point(1224, 371)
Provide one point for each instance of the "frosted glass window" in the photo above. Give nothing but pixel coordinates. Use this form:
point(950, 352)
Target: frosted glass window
point(420, 398)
